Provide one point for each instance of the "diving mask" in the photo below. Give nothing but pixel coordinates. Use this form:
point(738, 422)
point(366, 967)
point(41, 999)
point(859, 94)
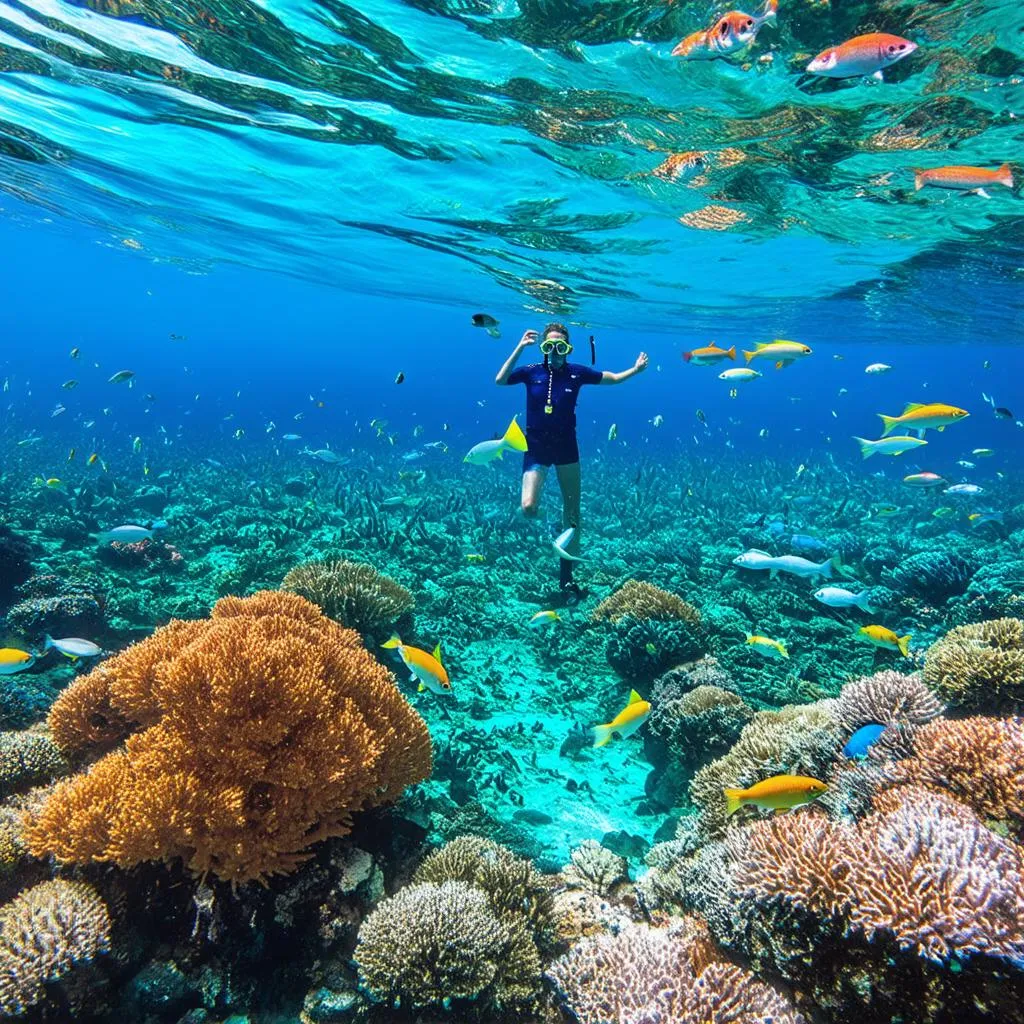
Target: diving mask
point(548, 345)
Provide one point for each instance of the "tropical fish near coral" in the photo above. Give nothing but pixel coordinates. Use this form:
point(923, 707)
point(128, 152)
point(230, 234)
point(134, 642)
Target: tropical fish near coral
point(127, 534)
point(885, 638)
point(626, 722)
point(922, 416)
point(837, 597)
point(924, 479)
point(793, 564)
point(425, 669)
point(779, 793)
point(732, 32)
point(860, 742)
point(767, 647)
point(12, 660)
point(561, 545)
point(888, 445)
point(544, 619)
point(862, 56)
point(513, 440)
point(73, 647)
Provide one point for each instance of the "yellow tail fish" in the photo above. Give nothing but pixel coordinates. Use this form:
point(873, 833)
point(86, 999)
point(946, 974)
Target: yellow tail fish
point(779, 793)
point(626, 722)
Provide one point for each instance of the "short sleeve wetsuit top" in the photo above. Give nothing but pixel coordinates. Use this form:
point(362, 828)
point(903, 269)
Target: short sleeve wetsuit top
point(551, 422)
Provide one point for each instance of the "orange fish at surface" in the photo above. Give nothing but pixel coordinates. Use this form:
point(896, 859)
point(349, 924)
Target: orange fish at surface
point(861, 56)
point(970, 179)
point(731, 33)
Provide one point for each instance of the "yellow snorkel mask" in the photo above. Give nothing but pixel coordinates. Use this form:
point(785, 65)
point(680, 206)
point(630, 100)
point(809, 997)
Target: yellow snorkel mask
point(548, 345)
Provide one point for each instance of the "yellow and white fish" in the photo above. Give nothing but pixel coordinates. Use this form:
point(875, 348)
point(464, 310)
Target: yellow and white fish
point(514, 440)
point(12, 660)
point(626, 722)
point(888, 445)
point(768, 647)
point(885, 638)
point(544, 618)
point(780, 352)
point(426, 669)
point(921, 416)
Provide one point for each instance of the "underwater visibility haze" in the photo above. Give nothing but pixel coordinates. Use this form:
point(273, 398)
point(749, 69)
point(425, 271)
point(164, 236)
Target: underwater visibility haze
point(511, 513)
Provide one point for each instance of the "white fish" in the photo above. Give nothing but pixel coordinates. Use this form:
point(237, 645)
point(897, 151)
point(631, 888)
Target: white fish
point(561, 542)
point(964, 464)
point(793, 564)
point(127, 534)
point(964, 489)
point(73, 647)
point(739, 373)
point(837, 597)
point(514, 440)
point(877, 368)
point(888, 445)
point(291, 437)
point(326, 455)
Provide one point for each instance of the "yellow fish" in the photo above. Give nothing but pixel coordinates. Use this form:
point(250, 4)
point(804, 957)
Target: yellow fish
point(779, 793)
point(882, 637)
point(782, 352)
point(768, 647)
point(921, 416)
point(12, 660)
point(626, 722)
point(543, 618)
point(476, 559)
point(426, 669)
point(92, 460)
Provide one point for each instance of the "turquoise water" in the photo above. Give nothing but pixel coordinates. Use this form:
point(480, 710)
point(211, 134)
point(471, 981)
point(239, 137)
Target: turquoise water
point(276, 224)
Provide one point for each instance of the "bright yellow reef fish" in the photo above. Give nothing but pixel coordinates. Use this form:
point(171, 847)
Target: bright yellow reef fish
point(476, 559)
point(882, 637)
point(543, 618)
point(921, 417)
point(782, 353)
point(779, 793)
point(12, 660)
point(768, 647)
point(626, 722)
point(426, 669)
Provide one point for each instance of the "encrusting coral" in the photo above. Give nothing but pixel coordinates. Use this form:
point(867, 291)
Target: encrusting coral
point(261, 731)
point(979, 667)
point(27, 759)
point(45, 932)
point(669, 975)
point(431, 944)
point(886, 698)
point(352, 593)
point(641, 600)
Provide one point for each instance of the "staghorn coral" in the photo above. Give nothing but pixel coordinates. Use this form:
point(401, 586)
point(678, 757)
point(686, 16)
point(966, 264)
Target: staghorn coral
point(641, 600)
point(920, 867)
point(594, 868)
point(353, 593)
point(27, 759)
point(513, 887)
point(979, 761)
point(886, 698)
point(798, 739)
point(434, 943)
point(45, 932)
point(979, 667)
point(262, 730)
point(667, 975)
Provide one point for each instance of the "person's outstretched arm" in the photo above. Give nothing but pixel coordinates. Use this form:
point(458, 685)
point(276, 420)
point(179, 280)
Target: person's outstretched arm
point(528, 339)
point(607, 377)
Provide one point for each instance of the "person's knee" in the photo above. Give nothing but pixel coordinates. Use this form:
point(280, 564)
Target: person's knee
point(531, 506)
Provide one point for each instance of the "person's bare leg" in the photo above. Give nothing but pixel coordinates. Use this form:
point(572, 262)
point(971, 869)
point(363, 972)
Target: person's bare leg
point(533, 482)
point(569, 482)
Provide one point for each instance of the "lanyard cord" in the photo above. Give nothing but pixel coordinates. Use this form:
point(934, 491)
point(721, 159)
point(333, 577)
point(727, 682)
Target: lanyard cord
point(551, 378)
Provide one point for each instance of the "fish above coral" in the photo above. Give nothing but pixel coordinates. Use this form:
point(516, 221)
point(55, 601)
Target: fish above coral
point(626, 722)
point(779, 793)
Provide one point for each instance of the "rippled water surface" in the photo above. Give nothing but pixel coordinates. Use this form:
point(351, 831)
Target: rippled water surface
point(526, 153)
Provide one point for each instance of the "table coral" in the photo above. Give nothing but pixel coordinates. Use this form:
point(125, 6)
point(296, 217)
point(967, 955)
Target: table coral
point(352, 593)
point(979, 667)
point(45, 932)
point(261, 731)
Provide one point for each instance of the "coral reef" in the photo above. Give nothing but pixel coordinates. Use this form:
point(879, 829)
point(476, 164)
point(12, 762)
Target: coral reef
point(933, 576)
point(702, 724)
point(28, 759)
point(45, 933)
point(640, 600)
point(262, 730)
point(352, 593)
point(669, 975)
point(979, 667)
point(886, 698)
point(594, 869)
point(16, 554)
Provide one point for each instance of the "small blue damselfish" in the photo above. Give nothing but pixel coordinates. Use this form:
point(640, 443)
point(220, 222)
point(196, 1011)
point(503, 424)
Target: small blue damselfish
point(862, 739)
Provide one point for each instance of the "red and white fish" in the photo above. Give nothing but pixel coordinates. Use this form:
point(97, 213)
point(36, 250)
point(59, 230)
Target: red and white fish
point(861, 56)
point(967, 179)
point(731, 33)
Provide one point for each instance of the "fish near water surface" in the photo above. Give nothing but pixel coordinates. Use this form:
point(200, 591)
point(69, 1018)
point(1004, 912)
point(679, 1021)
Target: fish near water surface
point(861, 56)
point(730, 34)
point(966, 179)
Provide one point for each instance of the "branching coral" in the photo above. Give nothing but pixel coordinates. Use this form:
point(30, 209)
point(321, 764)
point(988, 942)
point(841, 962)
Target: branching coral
point(44, 933)
point(799, 739)
point(980, 761)
point(431, 944)
point(666, 975)
point(262, 730)
point(887, 698)
point(353, 593)
point(594, 868)
point(921, 867)
point(641, 600)
point(704, 722)
point(979, 667)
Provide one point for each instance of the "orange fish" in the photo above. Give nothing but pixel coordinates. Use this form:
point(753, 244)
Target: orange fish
point(678, 165)
point(862, 55)
point(779, 793)
point(728, 35)
point(709, 355)
point(971, 179)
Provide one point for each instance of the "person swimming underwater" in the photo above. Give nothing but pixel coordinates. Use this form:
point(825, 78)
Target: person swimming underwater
point(552, 390)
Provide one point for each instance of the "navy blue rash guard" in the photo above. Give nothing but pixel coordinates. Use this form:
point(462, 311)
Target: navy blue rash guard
point(551, 437)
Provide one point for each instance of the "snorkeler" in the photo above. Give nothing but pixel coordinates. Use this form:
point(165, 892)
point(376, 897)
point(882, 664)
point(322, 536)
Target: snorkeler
point(552, 388)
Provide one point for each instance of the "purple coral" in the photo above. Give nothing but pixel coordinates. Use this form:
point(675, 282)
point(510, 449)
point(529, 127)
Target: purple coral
point(888, 698)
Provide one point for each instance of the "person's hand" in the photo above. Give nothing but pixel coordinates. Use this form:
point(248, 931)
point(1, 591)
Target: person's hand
point(528, 338)
point(641, 363)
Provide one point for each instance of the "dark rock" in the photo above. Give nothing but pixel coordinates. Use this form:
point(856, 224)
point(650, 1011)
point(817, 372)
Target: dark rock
point(15, 562)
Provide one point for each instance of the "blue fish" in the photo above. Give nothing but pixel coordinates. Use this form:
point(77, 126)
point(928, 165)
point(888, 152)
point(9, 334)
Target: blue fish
point(862, 739)
point(804, 544)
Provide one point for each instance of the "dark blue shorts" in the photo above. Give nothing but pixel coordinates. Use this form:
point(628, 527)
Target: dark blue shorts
point(561, 450)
